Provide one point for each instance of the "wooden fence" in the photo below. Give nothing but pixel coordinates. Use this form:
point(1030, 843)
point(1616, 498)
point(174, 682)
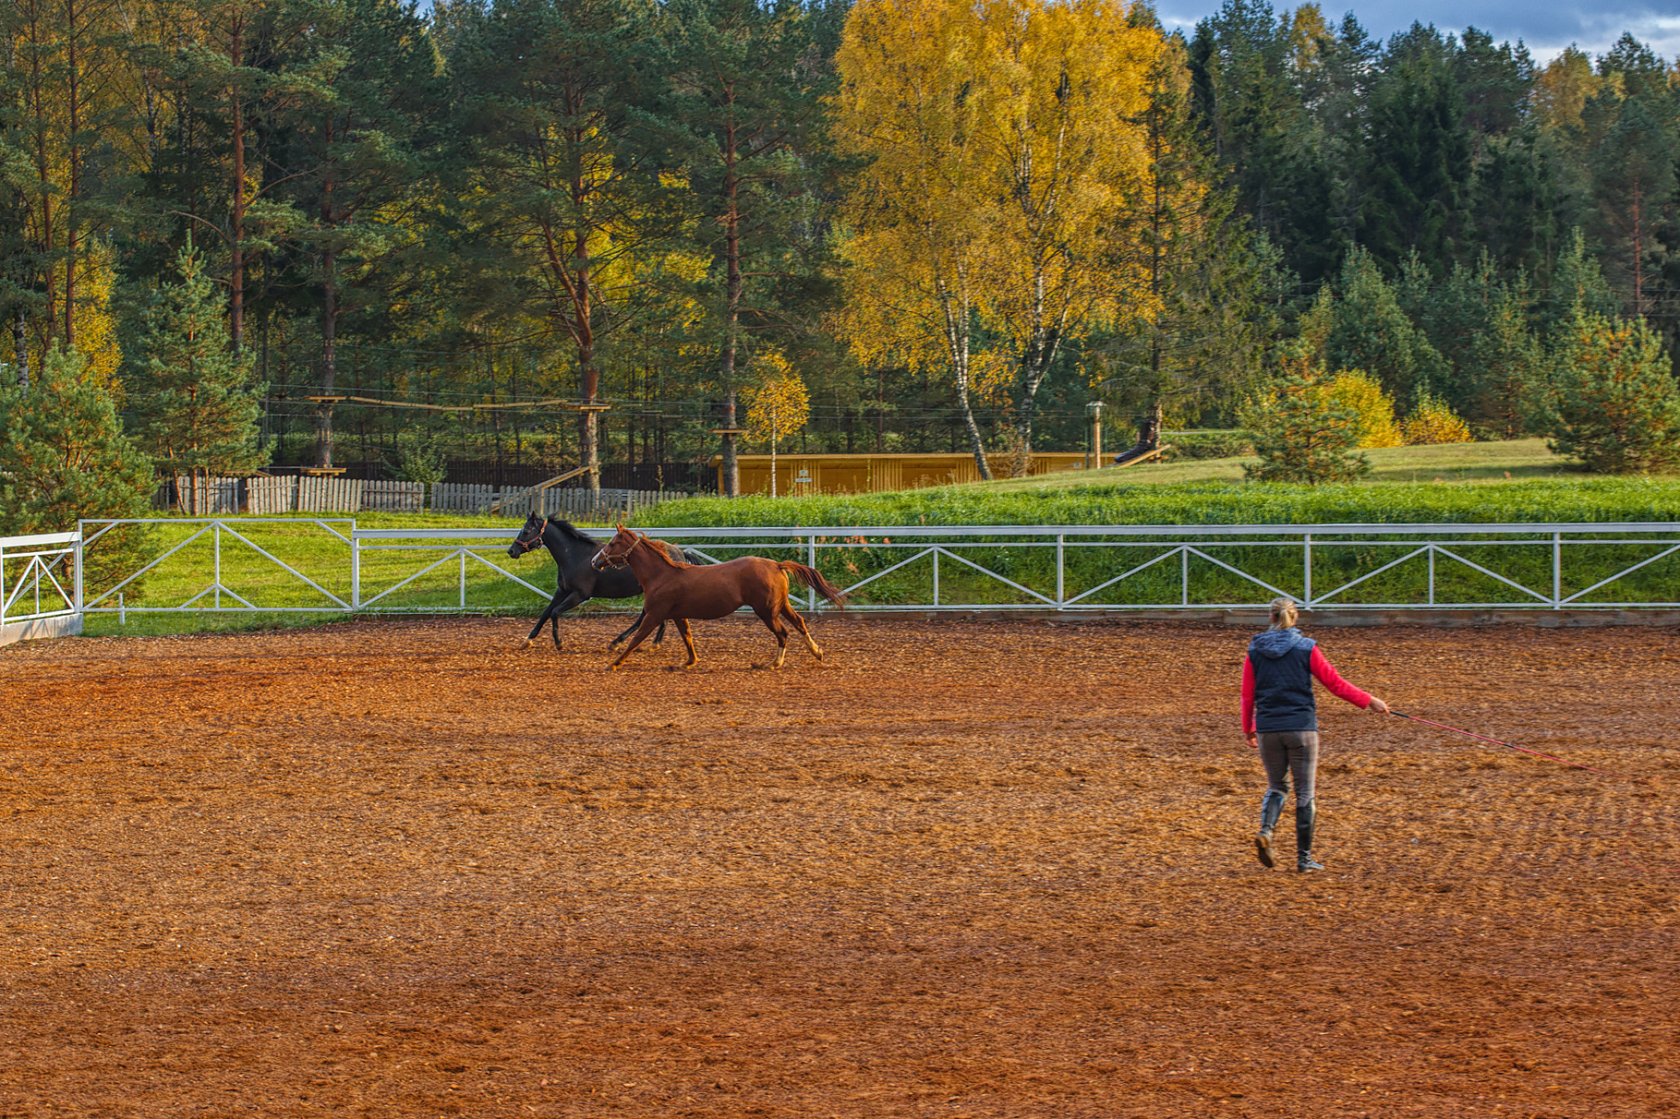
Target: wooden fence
point(263, 495)
point(571, 503)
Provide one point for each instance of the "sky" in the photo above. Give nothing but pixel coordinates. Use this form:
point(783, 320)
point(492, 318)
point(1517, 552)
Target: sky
point(1545, 25)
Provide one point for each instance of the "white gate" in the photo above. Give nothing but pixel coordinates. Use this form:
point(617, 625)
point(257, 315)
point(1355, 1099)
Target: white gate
point(37, 586)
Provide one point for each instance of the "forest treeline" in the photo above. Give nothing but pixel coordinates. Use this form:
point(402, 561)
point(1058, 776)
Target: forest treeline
point(587, 231)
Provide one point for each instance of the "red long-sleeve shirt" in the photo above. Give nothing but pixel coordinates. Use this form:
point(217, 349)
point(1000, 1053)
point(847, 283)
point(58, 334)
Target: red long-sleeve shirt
point(1323, 671)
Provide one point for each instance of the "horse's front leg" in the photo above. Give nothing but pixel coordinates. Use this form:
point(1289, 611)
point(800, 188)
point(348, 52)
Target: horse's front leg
point(563, 601)
point(629, 629)
point(548, 612)
point(649, 622)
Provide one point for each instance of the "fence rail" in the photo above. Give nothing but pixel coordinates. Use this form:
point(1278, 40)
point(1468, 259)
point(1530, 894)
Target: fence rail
point(279, 564)
point(38, 595)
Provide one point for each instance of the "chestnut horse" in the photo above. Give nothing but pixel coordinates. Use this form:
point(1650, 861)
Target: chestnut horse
point(680, 591)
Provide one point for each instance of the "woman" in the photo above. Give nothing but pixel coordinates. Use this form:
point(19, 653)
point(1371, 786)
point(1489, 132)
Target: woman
point(1281, 720)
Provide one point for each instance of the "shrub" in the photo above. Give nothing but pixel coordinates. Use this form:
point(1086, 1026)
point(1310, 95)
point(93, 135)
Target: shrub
point(1433, 422)
point(1302, 433)
point(1362, 393)
point(1614, 403)
point(1209, 443)
point(420, 456)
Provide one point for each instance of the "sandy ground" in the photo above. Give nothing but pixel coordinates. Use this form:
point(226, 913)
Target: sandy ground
point(967, 868)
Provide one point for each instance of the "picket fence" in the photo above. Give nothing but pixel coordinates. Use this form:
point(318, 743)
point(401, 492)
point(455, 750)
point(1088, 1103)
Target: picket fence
point(265, 496)
point(572, 503)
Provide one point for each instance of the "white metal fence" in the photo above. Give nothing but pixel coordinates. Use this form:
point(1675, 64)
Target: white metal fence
point(332, 565)
point(37, 586)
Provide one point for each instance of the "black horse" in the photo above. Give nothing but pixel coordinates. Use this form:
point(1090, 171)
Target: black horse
point(577, 581)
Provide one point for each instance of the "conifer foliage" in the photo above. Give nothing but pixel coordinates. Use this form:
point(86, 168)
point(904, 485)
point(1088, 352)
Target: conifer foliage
point(196, 406)
point(1615, 404)
point(1302, 431)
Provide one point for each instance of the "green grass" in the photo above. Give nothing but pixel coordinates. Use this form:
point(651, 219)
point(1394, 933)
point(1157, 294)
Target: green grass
point(1465, 483)
point(1454, 462)
point(314, 551)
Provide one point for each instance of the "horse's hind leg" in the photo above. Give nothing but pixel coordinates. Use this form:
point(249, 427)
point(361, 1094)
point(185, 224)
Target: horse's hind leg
point(792, 615)
point(688, 639)
point(770, 617)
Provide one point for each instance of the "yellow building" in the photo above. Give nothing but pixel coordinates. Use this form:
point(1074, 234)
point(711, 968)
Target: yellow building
point(869, 473)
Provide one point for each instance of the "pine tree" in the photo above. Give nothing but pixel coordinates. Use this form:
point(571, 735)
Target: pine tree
point(1615, 404)
point(1301, 432)
point(63, 457)
point(554, 103)
point(1364, 327)
point(1419, 167)
point(1208, 273)
point(195, 406)
point(741, 114)
point(355, 134)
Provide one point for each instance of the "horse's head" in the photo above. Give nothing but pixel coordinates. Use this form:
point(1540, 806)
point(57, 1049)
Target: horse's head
point(617, 551)
point(530, 537)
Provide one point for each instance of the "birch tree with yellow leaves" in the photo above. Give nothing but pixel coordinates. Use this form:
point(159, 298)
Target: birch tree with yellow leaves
point(1003, 151)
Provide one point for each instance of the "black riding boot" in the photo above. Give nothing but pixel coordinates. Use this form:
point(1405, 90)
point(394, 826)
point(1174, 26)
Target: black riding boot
point(1270, 809)
point(1304, 817)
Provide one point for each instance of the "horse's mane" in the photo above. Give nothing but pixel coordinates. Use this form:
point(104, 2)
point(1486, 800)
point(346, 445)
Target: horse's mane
point(573, 531)
point(658, 549)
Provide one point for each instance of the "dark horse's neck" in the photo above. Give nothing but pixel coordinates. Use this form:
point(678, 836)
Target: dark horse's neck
point(560, 543)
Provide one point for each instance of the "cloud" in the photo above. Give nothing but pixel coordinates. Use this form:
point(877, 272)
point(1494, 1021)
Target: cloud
point(1545, 28)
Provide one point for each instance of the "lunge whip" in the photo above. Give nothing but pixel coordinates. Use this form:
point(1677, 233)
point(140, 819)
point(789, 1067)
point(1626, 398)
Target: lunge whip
point(1500, 742)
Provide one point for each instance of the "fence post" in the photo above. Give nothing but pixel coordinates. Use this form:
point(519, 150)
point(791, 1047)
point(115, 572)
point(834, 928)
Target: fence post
point(355, 571)
point(1557, 571)
point(1306, 570)
point(1061, 549)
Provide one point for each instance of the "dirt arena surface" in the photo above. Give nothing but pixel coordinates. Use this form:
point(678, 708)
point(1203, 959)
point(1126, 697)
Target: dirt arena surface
point(968, 868)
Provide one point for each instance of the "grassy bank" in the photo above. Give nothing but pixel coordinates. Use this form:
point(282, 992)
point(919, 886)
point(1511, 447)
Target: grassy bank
point(1465, 483)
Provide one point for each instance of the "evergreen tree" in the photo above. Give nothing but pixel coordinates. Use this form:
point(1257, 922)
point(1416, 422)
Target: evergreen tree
point(554, 102)
point(1206, 270)
point(1577, 287)
point(355, 135)
point(195, 405)
point(63, 454)
point(741, 115)
point(1302, 433)
point(1418, 169)
point(1479, 324)
point(1634, 186)
point(1615, 404)
point(1364, 327)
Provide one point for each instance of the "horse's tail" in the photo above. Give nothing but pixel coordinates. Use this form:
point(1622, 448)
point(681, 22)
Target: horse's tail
point(811, 577)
